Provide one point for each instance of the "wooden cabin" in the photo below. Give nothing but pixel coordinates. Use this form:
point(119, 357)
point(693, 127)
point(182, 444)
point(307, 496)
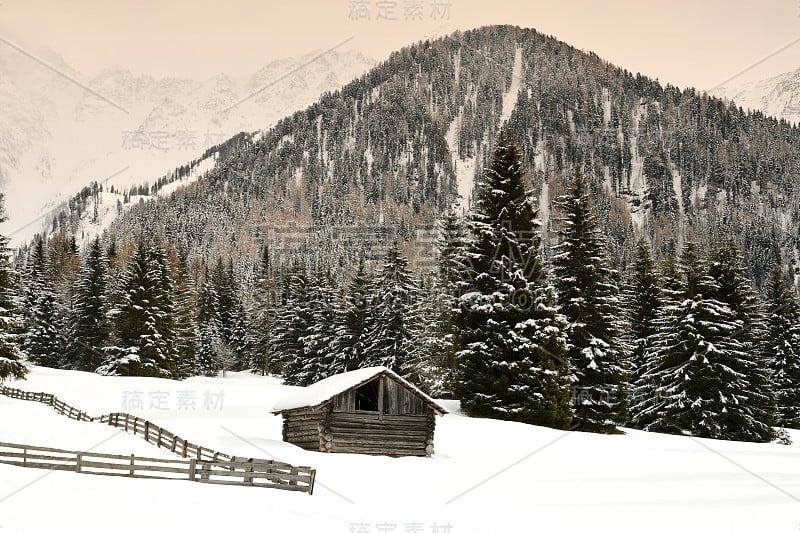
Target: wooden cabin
point(370, 411)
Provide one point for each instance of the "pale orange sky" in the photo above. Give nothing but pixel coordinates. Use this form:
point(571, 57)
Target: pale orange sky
point(684, 42)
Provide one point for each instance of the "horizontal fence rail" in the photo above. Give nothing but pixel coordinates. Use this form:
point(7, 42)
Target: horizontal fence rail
point(205, 465)
point(247, 472)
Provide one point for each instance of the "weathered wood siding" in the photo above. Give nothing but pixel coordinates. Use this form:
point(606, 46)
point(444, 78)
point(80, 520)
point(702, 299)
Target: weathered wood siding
point(398, 400)
point(303, 428)
point(369, 433)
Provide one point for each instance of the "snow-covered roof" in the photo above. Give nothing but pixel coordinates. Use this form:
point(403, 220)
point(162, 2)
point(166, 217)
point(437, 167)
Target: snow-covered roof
point(324, 390)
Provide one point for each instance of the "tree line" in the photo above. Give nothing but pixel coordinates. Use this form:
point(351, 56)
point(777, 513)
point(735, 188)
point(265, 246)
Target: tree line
point(685, 346)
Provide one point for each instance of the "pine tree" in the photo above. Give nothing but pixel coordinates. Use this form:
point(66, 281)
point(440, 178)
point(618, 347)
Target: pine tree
point(433, 352)
point(185, 326)
point(90, 328)
point(352, 322)
point(11, 365)
point(781, 347)
point(512, 349)
point(262, 315)
point(735, 291)
point(318, 356)
point(292, 325)
point(208, 334)
point(435, 347)
point(704, 381)
point(44, 342)
point(394, 295)
point(589, 298)
point(642, 302)
point(144, 319)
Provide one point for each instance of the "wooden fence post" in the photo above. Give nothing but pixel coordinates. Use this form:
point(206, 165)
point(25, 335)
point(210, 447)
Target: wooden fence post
point(78, 462)
point(133, 460)
point(248, 475)
point(192, 467)
point(147, 430)
point(205, 472)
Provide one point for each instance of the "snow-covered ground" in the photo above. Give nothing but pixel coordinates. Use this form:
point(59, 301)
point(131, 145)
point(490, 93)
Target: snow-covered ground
point(486, 475)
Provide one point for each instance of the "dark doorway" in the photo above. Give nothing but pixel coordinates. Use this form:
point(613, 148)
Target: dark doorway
point(367, 396)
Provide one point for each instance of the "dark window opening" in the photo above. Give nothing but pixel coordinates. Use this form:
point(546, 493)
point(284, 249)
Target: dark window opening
point(367, 396)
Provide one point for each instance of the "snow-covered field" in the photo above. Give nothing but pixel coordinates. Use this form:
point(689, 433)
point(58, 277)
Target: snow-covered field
point(486, 475)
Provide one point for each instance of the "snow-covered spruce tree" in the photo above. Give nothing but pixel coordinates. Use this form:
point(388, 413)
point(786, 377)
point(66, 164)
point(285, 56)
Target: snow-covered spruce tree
point(642, 300)
point(352, 322)
point(781, 347)
point(700, 374)
point(43, 341)
point(434, 345)
point(262, 313)
point(89, 325)
point(144, 319)
point(392, 303)
point(433, 339)
point(229, 314)
point(588, 296)
point(291, 326)
point(11, 365)
point(512, 361)
point(734, 290)
point(318, 355)
point(34, 275)
point(207, 330)
point(185, 298)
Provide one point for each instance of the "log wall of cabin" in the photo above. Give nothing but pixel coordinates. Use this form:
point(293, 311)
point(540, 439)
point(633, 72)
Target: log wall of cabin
point(304, 428)
point(370, 433)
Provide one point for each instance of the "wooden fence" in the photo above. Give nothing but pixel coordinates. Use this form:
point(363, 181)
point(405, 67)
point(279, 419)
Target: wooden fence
point(212, 464)
point(250, 472)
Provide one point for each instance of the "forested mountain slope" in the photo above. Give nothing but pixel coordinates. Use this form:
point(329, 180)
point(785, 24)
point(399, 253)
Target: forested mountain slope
point(390, 151)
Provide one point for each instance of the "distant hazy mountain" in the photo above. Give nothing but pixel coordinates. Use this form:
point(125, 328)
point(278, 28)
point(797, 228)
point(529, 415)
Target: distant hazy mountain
point(56, 137)
point(778, 96)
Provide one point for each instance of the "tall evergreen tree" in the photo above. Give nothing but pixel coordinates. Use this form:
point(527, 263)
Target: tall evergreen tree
point(90, 328)
point(352, 322)
point(44, 342)
point(262, 314)
point(512, 360)
point(318, 356)
point(642, 301)
point(292, 325)
point(11, 365)
point(435, 346)
point(703, 380)
point(589, 298)
point(208, 335)
point(781, 347)
point(394, 295)
point(185, 299)
point(144, 319)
